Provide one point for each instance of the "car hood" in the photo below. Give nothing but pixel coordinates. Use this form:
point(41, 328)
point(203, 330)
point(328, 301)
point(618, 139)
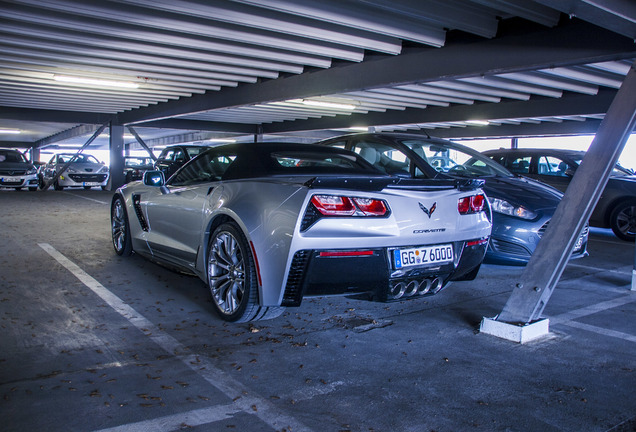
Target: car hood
point(86, 167)
point(15, 166)
point(628, 179)
point(531, 194)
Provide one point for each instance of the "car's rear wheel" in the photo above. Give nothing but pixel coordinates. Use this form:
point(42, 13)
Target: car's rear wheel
point(623, 220)
point(120, 228)
point(232, 277)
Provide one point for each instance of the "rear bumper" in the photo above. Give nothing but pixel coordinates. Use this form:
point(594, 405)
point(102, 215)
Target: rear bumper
point(321, 272)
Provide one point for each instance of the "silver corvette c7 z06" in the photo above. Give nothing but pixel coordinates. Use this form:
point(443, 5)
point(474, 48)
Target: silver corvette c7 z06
point(264, 225)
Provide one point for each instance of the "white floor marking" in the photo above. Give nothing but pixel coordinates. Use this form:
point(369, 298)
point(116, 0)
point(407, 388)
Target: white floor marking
point(177, 421)
point(601, 330)
point(589, 310)
point(86, 198)
point(243, 400)
point(587, 267)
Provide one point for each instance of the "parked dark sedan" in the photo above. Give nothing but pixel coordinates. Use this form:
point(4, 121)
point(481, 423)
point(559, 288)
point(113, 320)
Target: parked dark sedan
point(135, 166)
point(175, 156)
point(617, 207)
point(521, 208)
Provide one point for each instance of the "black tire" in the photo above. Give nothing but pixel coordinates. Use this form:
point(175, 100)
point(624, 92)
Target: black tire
point(43, 185)
point(623, 220)
point(232, 278)
point(87, 187)
point(57, 186)
point(120, 227)
point(104, 187)
point(33, 188)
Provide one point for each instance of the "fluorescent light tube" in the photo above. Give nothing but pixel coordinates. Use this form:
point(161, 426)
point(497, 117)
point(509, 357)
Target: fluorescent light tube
point(95, 81)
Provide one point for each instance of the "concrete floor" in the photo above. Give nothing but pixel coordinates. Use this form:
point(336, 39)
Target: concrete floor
point(91, 341)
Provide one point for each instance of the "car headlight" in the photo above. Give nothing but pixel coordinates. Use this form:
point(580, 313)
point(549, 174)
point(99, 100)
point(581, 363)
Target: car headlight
point(504, 207)
point(31, 171)
point(71, 170)
point(103, 169)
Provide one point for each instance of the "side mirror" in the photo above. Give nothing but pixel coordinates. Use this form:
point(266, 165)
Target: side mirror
point(154, 178)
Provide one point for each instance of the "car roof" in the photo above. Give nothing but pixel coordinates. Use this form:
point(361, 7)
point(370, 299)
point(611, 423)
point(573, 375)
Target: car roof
point(539, 151)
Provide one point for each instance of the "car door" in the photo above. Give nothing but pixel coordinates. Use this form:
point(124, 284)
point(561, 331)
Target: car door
point(552, 170)
point(176, 214)
point(174, 218)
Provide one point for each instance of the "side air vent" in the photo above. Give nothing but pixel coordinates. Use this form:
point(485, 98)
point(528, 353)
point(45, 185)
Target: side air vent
point(294, 288)
point(140, 214)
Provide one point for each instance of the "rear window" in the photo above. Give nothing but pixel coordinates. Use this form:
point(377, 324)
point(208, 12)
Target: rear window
point(296, 161)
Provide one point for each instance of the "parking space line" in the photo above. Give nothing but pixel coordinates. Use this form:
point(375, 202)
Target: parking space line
point(587, 267)
point(86, 198)
point(590, 310)
point(601, 330)
point(242, 396)
point(178, 421)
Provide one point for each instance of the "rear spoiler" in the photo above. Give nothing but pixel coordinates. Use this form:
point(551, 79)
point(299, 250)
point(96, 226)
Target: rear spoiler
point(374, 184)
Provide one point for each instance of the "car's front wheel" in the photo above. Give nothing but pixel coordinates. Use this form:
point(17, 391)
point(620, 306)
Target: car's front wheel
point(120, 228)
point(232, 277)
point(57, 186)
point(623, 220)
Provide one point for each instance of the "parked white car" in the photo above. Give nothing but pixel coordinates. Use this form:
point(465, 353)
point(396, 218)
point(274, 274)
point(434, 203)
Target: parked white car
point(84, 171)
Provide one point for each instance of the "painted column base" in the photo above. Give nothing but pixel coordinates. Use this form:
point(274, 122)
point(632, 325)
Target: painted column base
point(516, 333)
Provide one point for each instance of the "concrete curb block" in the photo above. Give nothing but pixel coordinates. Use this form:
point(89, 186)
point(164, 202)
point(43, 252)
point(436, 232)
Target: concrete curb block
point(516, 333)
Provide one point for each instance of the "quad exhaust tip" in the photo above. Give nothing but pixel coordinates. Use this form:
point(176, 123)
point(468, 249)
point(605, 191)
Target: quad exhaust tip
point(414, 287)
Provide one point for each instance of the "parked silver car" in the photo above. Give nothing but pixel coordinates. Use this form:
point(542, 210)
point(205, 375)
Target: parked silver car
point(521, 207)
point(264, 225)
point(16, 171)
point(84, 171)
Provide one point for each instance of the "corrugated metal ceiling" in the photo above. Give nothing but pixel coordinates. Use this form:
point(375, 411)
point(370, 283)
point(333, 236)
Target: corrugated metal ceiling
point(175, 50)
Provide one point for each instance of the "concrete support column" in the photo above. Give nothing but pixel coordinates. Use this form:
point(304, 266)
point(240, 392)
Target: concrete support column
point(540, 276)
point(634, 273)
point(117, 178)
point(35, 154)
point(258, 136)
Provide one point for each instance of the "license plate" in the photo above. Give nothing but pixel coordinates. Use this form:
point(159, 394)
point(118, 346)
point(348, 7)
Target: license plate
point(11, 179)
point(91, 184)
point(422, 255)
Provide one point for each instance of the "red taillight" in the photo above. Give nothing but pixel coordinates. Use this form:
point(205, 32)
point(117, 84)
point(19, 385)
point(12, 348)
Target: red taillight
point(471, 204)
point(346, 253)
point(333, 205)
point(477, 242)
point(371, 207)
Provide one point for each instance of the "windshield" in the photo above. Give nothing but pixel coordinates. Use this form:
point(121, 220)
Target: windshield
point(12, 156)
point(455, 159)
point(133, 162)
point(81, 158)
point(618, 170)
